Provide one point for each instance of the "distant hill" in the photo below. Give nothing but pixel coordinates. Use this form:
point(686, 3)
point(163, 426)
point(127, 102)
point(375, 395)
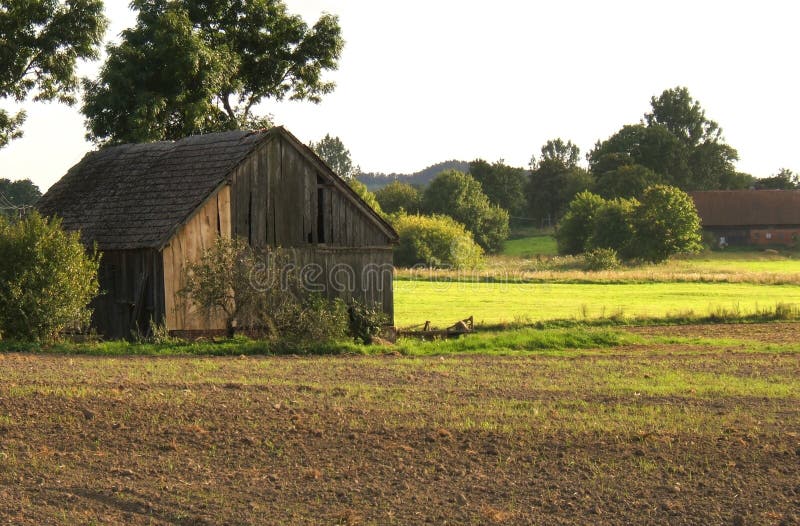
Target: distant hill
point(376, 181)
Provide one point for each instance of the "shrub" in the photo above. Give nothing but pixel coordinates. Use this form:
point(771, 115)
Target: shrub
point(435, 241)
point(578, 222)
point(47, 279)
point(257, 290)
point(365, 321)
point(666, 223)
point(601, 259)
point(613, 227)
point(317, 319)
point(398, 196)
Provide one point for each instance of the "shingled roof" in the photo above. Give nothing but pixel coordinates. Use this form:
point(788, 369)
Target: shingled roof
point(748, 207)
point(136, 195)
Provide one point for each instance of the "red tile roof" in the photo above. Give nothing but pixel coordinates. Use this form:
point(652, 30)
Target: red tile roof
point(748, 207)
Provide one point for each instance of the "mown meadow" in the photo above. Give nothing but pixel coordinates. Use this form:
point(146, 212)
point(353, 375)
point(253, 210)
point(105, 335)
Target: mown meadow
point(516, 290)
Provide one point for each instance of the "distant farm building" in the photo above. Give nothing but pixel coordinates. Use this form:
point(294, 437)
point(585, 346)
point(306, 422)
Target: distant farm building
point(151, 208)
point(750, 217)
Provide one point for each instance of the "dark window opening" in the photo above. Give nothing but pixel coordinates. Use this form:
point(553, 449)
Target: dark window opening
point(219, 223)
point(320, 215)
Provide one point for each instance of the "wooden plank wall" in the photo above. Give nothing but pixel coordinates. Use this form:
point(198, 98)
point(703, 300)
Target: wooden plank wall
point(131, 293)
point(274, 203)
point(198, 234)
point(363, 273)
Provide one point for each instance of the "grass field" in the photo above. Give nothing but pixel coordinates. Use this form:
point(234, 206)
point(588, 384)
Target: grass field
point(541, 244)
point(445, 302)
point(648, 426)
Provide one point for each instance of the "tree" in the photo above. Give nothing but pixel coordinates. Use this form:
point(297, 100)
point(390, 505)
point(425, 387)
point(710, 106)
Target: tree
point(577, 225)
point(397, 196)
point(555, 180)
point(629, 180)
point(47, 279)
point(436, 241)
point(504, 185)
point(364, 193)
point(461, 197)
point(666, 223)
point(15, 194)
point(677, 142)
point(332, 151)
point(678, 112)
point(565, 154)
point(195, 66)
point(40, 44)
point(785, 179)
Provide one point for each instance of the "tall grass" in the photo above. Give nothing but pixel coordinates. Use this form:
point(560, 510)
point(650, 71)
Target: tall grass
point(567, 269)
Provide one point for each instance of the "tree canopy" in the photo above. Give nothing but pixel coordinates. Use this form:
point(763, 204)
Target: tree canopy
point(40, 44)
point(192, 66)
point(555, 180)
point(504, 185)
point(677, 142)
point(785, 179)
point(461, 197)
point(333, 152)
point(19, 193)
point(397, 196)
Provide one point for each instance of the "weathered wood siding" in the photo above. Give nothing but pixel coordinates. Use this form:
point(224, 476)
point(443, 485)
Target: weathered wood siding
point(197, 234)
point(364, 273)
point(279, 198)
point(131, 293)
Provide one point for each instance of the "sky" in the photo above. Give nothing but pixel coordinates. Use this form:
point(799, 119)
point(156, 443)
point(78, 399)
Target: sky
point(426, 81)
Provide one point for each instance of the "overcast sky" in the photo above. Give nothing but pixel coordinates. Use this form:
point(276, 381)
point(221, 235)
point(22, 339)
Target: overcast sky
point(426, 81)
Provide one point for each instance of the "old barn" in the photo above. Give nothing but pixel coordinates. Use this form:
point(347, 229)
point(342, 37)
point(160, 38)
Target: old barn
point(750, 217)
point(150, 208)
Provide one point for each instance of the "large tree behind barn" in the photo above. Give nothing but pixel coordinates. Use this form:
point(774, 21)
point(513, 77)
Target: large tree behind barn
point(151, 208)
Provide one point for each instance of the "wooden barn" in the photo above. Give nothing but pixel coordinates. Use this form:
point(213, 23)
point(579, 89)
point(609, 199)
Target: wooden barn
point(750, 217)
point(150, 208)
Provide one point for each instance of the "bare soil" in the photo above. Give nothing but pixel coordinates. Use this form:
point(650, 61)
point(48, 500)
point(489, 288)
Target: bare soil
point(389, 440)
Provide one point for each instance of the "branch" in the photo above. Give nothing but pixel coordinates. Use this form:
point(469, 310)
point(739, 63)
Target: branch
point(226, 103)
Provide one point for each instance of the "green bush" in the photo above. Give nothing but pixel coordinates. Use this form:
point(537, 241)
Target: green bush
point(47, 279)
point(577, 225)
point(365, 321)
point(317, 319)
point(601, 259)
point(613, 227)
point(666, 223)
point(435, 241)
point(253, 290)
